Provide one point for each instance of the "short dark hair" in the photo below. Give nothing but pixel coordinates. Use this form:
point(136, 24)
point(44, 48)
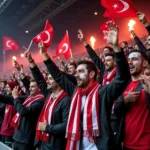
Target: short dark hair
point(90, 66)
point(32, 80)
point(110, 48)
point(125, 42)
point(142, 53)
point(109, 54)
point(73, 64)
point(4, 81)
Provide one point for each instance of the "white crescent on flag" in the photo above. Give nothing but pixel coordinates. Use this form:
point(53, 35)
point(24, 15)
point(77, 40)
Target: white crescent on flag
point(126, 6)
point(7, 43)
point(66, 47)
point(48, 37)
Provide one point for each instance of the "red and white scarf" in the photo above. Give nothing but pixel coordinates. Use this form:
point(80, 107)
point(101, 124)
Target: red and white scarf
point(91, 117)
point(30, 99)
point(109, 78)
point(47, 114)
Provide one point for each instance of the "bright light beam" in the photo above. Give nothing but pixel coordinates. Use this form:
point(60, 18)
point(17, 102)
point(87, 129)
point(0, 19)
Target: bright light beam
point(131, 24)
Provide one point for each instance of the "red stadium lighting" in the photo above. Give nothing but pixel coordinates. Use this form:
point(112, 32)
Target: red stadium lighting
point(14, 58)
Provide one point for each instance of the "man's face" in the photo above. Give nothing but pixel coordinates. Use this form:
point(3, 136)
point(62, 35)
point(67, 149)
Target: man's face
point(82, 76)
point(123, 45)
point(147, 70)
point(44, 75)
point(51, 84)
point(34, 88)
point(148, 40)
point(2, 85)
point(8, 90)
point(62, 68)
point(136, 47)
point(135, 63)
point(109, 63)
point(106, 51)
point(71, 69)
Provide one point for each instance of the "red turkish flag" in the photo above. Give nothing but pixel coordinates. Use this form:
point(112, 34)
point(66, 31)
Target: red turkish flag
point(64, 47)
point(9, 44)
point(119, 8)
point(46, 36)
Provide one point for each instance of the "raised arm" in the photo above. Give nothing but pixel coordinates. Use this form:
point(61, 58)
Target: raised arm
point(93, 55)
point(138, 42)
point(142, 18)
point(24, 79)
point(37, 74)
point(122, 77)
point(58, 76)
point(33, 109)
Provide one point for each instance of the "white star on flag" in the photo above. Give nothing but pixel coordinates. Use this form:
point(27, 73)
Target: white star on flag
point(115, 6)
point(38, 37)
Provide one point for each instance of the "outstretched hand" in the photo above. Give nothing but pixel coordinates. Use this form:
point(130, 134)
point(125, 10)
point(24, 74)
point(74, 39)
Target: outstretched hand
point(112, 34)
point(28, 56)
point(142, 17)
point(16, 92)
point(16, 65)
point(80, 35)
point(41, 47)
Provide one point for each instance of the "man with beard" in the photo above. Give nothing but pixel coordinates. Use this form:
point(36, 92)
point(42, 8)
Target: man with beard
point(92, 131)
point(52, 122)
point(133, 107)
point(124, 46)
point(71, 67)
point(28, 108)
point(108, 75)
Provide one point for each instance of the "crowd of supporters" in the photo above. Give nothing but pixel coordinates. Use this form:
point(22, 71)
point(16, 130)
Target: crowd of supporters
point(100, 102)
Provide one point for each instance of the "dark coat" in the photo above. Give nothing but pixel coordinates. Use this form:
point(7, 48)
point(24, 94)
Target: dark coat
point(57, 129)
point(121, 109)
point(29, 116)
point(107, 94)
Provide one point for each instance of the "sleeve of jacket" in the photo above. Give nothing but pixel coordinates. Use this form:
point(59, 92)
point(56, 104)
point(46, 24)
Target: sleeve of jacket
point(6, 99)
point(120, 108)
point(121, 80)
point(59, 128)
point(148, 100)
point(140, 44)
point(26, 83)
point(33, 109)
point(2, 108)
point(148, 29)
point(60, 77)
point(95, 58)
point(40, 80)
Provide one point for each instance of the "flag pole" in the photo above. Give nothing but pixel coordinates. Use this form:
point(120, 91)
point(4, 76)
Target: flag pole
point(29, 45)
point(4, 65)
point(70, 48)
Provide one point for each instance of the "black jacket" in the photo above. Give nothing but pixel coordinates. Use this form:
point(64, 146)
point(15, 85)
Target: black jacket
point(2, 110)
point(29, 116)
point(121, 109)
point(57, 129)
point(97, 61)
point(106, 96)
point(100, 65)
